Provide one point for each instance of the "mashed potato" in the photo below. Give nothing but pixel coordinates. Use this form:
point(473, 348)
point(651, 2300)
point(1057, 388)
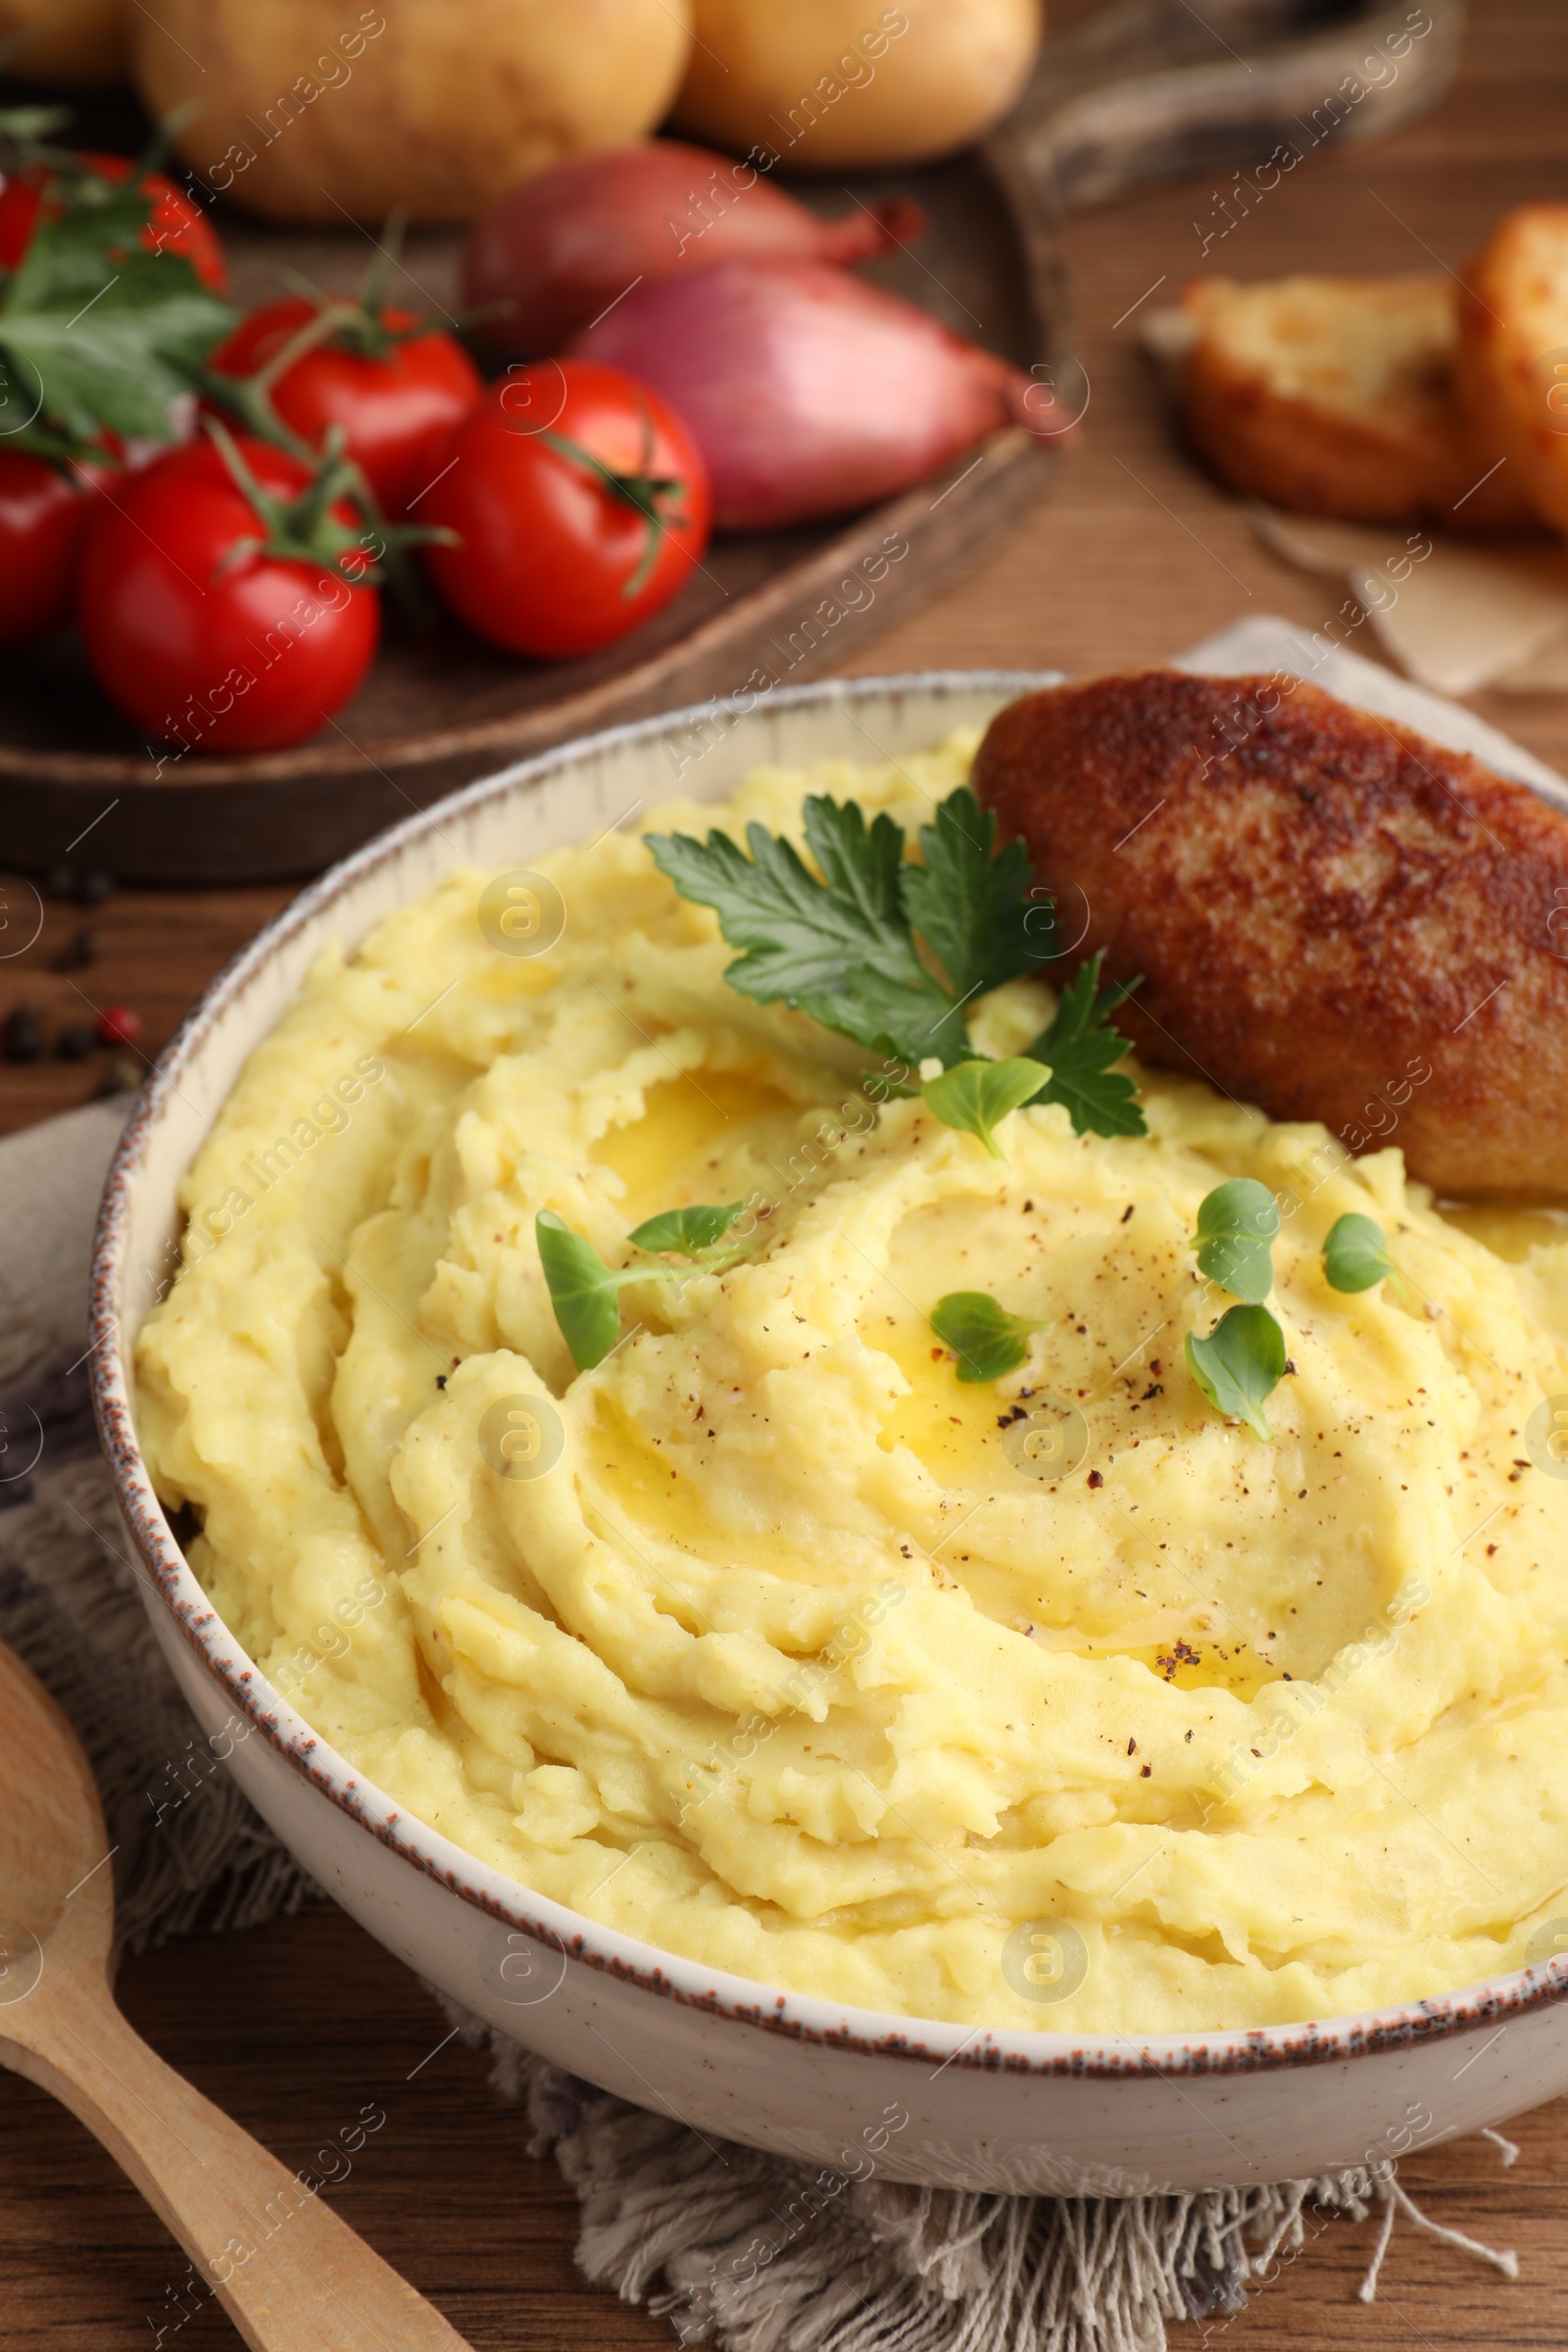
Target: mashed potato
point(767, 1639)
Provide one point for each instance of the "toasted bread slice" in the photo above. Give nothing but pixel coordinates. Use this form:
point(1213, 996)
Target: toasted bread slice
point(1331, 916)
point(1512, 365)
point(1336, 396)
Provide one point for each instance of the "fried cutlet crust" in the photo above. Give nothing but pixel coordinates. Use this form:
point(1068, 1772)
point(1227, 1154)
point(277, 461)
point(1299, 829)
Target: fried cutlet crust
point(1335, 919)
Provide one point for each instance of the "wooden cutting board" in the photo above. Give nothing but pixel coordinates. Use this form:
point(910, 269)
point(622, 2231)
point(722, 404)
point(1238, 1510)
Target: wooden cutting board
point(1147, 88)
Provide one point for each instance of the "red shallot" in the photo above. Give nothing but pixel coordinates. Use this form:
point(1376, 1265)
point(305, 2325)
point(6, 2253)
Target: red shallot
point(807, 391)
point(555, 251)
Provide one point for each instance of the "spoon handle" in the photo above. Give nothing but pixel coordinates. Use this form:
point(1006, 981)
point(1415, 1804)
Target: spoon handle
point(292, 2277)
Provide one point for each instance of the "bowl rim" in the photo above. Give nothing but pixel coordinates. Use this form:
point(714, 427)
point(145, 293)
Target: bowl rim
point(717, 1994)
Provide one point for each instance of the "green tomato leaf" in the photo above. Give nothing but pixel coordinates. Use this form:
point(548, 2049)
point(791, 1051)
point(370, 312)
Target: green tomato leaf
point(987, 1340)
point(976, 1094)
point(1080, 1048)
point(1240, 1364)
point(686, 1230)
point(1236, 1227)
point(1355, 1255)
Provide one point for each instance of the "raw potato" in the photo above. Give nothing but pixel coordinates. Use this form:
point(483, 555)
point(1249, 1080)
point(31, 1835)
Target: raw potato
point(79, 42)
point(827, 85)
point(1336, 396)
point(314, 107)
point(1514, 351)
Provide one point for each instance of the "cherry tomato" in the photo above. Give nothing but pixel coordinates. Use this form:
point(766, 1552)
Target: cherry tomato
point(580, 504)
point(202, 635)
point(398, 410)
point(174, 224)
point(43, 516)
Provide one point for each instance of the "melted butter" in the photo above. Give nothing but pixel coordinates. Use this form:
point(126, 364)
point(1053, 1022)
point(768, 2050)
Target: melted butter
point(949, 1423)
point(642, 1479)
point(688, 1125)
point(1200, 1663)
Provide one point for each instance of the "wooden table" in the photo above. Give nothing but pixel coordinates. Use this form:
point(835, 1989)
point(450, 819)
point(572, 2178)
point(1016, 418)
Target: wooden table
point(294, 2028)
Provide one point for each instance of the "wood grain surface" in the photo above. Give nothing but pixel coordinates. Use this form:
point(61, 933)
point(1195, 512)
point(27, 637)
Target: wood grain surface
point(286, 2268)
point(296, 2027)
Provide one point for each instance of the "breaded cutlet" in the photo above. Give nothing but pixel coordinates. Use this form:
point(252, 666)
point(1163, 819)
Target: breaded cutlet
point(1334, 918)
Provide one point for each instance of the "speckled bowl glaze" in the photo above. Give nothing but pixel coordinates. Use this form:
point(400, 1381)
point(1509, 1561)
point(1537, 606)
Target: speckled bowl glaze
point(841, 2087)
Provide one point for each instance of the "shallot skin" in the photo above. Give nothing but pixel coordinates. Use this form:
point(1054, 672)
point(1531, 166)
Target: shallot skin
point(807, 391)
point(555, 251)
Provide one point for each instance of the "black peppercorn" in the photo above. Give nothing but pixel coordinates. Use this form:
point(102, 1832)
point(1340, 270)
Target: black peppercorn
point(78, 952)
point(22, 1036)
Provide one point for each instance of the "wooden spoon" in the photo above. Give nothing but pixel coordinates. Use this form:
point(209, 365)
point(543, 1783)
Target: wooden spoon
point(290, 2275)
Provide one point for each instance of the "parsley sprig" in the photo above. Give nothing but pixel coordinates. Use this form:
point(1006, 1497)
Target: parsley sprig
point(96, 333)
point(1081, 1046)
point(891, 953)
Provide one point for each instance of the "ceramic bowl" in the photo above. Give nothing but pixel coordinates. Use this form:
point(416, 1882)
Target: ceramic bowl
point(835, 2086)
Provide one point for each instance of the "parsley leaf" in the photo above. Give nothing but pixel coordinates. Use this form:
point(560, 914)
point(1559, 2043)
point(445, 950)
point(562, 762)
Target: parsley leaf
point(840, 948)
point(1080, 1047)
point(844, 948)
point(848, 949)
point(1236, 1227)
point(21, 129)
point(1355, 1255)
point(96, 333)
point(987, 1340)
point(976, 1094)
point(1240, 1364)
point(971, 907)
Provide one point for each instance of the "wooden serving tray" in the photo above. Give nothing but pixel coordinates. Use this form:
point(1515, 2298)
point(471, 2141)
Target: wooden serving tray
point(78, 784)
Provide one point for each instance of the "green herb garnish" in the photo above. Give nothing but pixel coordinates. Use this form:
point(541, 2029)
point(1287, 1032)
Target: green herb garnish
point(96, 333)
point(1080, 1047)
point(971, 909)
point(688, 1231)
point(1236, 1227)
point(890, 952)
point(585, 1293)
point(987, 1340)
point(976, 1094)
point(1240, 1363)
point(1355, 1255)
point(844, 948)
